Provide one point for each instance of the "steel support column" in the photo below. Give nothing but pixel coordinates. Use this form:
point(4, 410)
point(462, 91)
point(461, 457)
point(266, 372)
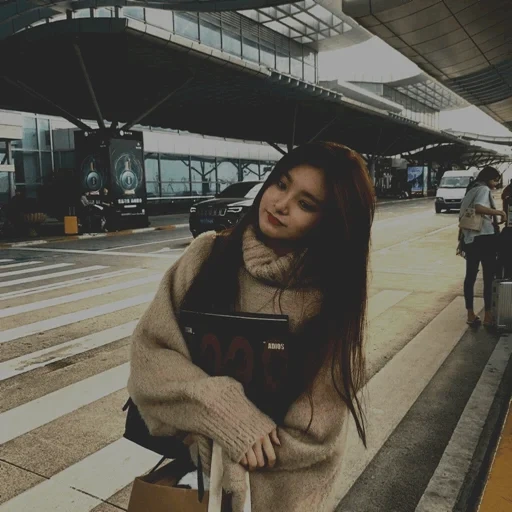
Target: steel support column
point(277, 148)
point(160, 102)
point(291, 144)
point(64, 113)
point(90, 88)
point(328, 125)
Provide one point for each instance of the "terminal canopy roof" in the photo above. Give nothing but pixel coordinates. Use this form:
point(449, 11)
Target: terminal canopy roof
point(144, 75)
point(466, 156)
point(464, 44)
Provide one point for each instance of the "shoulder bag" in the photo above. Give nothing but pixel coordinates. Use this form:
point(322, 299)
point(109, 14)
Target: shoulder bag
point(470, 219)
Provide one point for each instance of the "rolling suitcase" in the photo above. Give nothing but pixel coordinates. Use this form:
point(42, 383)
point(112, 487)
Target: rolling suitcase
point(502, 304)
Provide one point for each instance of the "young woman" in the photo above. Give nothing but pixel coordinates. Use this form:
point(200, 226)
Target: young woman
point(481, 246)
point(302, 250)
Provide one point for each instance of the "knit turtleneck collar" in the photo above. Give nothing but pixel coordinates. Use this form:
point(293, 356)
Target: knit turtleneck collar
point(263, 263)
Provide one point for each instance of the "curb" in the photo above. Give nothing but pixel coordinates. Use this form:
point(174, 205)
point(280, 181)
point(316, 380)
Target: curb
point(89, 236)
point(457, 481)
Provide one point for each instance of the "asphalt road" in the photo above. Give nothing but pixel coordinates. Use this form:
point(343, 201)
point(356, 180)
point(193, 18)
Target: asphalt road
point(68, 309)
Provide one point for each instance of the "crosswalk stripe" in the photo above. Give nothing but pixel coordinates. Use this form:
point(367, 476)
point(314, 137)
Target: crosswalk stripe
point(72, 282)
point(31, 499)
point(170, 258)
point(44, 357)
point(22, 264)
point(24, 418)
point(64, 299)
point(386, 407)
point(71, 318)
point(52, 275)
point(32, 270)
point(84, 485)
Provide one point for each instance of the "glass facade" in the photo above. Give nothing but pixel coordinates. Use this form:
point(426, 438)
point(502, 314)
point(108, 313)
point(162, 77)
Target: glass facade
point(414, 109)
point(184, 176)
point(229, 32)
point(33, 155)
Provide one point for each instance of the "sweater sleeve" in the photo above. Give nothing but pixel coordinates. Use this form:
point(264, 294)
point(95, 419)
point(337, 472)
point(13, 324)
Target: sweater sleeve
point(174, 395)
point(300, 450)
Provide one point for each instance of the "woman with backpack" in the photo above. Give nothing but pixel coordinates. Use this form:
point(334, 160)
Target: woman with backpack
point(302, 251)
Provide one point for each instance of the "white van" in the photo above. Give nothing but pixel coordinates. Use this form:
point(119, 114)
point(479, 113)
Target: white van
point(452, 189)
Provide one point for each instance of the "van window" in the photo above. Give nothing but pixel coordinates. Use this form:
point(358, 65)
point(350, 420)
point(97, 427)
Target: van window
point(454, 182)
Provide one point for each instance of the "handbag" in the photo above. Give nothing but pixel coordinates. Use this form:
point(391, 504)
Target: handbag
point(135, 430)
point(471, 220)
point(159, 491)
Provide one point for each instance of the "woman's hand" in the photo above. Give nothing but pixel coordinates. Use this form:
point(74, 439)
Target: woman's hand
point(261, 450)
point(502, 214)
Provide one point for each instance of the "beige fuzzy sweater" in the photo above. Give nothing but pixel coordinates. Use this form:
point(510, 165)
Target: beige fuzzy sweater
point(175, 396)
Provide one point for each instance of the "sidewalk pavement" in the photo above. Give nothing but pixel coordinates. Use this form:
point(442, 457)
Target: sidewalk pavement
point(53, 230)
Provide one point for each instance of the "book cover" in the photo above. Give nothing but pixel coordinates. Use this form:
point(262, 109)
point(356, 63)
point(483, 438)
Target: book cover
point(251, 348)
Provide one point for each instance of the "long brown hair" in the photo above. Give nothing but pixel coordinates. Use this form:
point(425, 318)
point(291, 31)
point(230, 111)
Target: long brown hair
point(337, 257)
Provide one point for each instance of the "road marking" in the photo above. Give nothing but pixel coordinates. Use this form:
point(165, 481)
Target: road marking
point(415, 239)
point(22, 264)
point(88, 483)
point(71, 318)
point(36, 413)
point(32, 270)
point(460, 451)
point(34, 360)
point(73, 282)
point(149, 243)
point(166, 249)
point(64, 299)
point(29, 242)
point(100, 253)
point(5, 260)
point(409, 371)
point(383, 301)
point(51, 276)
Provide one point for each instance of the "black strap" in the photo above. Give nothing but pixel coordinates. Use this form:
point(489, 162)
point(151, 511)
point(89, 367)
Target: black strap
point(495, 222)
point(200, 477)
point(158, 465)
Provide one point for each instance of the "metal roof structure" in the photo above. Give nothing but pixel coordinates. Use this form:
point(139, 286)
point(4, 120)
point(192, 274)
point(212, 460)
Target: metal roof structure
point(467, 156)
point(462, 43)
point(144, 74)
point(306, 21)
point(428, 91)
point(491, 139)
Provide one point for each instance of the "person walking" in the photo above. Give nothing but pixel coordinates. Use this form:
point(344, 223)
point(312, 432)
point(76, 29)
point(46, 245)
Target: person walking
point(480, 247)
point(302, 250)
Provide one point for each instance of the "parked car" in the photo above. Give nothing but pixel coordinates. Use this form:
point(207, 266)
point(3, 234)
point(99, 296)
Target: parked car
point(225, 210)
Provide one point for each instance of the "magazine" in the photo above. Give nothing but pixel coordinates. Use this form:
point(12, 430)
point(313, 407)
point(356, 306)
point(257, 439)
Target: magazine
point(251, 348)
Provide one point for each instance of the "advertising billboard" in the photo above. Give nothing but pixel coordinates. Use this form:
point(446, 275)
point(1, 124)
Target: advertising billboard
point(110, 172)
point(417, 177)
point(92, 162)
point(128, 185)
